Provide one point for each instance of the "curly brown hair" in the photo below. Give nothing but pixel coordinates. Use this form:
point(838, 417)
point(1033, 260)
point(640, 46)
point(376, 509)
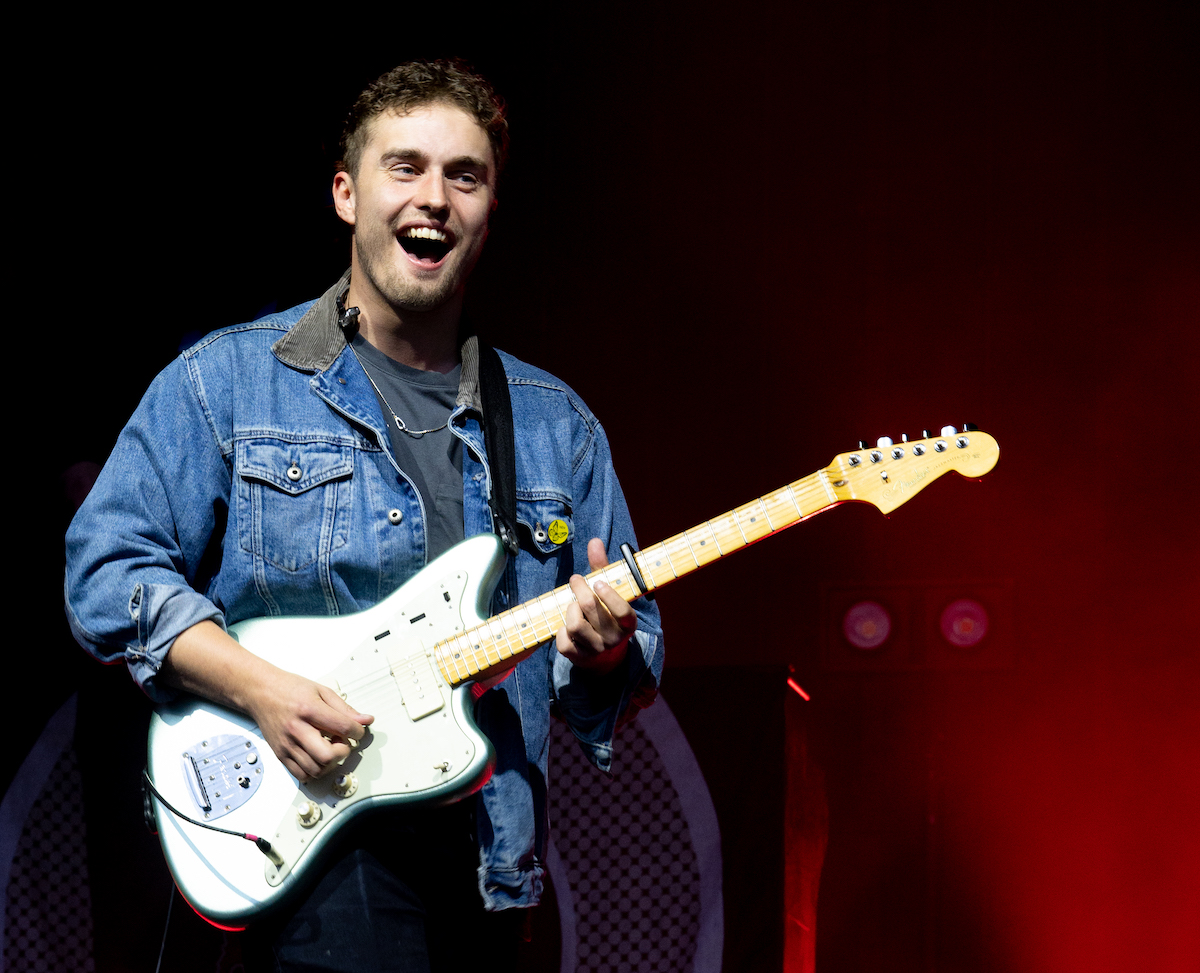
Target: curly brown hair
point(418, 83)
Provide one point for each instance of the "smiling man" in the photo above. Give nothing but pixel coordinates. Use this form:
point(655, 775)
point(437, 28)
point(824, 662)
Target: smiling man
point(313, 461)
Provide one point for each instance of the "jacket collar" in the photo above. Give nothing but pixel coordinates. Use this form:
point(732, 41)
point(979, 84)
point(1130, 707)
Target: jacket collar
point(316, 341)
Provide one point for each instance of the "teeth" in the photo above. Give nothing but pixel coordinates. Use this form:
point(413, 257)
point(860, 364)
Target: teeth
point(426, 233)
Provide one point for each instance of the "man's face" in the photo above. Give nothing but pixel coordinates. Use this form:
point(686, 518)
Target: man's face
point(419, 205)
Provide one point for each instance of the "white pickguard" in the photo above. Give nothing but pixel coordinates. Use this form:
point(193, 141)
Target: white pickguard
point(423, 746)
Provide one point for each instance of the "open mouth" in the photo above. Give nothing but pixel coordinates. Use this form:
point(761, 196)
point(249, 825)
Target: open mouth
point(425, 243)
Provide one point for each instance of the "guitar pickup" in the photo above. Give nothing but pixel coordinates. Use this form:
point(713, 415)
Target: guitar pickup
point(419, 685)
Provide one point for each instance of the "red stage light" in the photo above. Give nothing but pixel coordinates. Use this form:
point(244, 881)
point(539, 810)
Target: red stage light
point(867, 625)
point(964, 623)
point(798, 689)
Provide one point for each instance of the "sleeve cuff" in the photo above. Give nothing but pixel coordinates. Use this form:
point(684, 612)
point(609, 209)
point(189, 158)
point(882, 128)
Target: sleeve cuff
point(593, 705)
point(162, 613)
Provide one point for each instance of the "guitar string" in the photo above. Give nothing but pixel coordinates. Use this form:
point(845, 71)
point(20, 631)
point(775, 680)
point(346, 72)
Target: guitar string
point(725, 526)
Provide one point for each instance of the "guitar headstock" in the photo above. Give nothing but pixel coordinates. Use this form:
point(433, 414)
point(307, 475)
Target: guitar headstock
point(889, 474)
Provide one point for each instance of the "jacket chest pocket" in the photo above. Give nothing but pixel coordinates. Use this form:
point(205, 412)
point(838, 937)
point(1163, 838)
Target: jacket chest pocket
point(293, 498)
point(547, 525)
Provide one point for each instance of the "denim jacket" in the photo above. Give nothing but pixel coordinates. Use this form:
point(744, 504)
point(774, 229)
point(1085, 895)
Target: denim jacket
point(256, 478)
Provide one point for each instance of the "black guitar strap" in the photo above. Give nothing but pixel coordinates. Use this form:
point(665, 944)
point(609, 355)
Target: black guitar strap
point(501, 446)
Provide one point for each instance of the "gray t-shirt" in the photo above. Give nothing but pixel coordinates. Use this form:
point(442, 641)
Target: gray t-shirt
point(433, 462)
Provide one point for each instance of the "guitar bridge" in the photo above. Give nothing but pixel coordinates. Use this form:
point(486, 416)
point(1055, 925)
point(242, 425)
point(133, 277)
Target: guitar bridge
point(222, 773)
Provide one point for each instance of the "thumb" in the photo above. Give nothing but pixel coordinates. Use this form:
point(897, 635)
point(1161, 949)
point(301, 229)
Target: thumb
point(597, 555)
point(341, 708)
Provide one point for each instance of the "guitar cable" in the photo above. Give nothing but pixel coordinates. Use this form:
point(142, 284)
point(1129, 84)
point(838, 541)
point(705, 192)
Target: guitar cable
point(162, 948)
point(260, 843)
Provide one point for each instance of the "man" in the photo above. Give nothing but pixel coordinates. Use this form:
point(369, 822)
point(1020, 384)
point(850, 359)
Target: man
point(313, 461)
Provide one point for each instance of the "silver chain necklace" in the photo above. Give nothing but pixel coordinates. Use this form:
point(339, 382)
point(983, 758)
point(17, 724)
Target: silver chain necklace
point(400, 424)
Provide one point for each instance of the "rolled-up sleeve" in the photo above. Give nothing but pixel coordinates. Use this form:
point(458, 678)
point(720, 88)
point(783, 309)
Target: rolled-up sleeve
point(136, 547)
point(594, 705)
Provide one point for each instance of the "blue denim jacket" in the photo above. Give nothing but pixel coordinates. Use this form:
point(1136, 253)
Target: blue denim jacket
point(194, 517)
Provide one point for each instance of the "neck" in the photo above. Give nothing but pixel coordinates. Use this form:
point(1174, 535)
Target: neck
point(427, 340)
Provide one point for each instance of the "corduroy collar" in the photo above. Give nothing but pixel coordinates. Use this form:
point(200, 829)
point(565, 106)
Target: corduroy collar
point(315, 341)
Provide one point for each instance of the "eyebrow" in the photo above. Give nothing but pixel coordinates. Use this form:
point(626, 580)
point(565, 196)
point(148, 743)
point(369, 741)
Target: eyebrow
point(459, 162)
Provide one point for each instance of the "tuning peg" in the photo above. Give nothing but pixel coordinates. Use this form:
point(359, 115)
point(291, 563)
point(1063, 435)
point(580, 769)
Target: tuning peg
point(925, 434)
point(970, 427)
point(903, 437)
point(862, 444)
point(949, 431)
point(884, 441)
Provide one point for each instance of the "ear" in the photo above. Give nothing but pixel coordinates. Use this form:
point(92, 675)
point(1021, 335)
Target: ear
point(343, 196)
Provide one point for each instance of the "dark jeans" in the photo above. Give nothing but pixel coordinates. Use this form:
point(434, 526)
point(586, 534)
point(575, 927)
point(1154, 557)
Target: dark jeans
point(402, 897)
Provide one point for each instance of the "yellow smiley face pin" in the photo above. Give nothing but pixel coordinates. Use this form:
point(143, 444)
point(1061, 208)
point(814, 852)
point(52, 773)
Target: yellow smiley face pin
point(558, 531)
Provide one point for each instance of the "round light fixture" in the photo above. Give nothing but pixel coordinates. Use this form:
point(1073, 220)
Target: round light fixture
point(867, 625)
point(964, 623)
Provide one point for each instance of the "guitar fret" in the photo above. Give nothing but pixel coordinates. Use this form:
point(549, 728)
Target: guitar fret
point(709, 525)
point(462, 644)
point(753, 522)
point(792, 495)
point(823, 479)
point(783, 516)
point(620, 578)
point(650, 561)
point(707, 552)
point(681, 546)
point(452, 658)
point(671, 564)
point(503, 649)
point(725, 525)
point(767, 516)
point(541, 607)
point(528, 628)
point(738, 524)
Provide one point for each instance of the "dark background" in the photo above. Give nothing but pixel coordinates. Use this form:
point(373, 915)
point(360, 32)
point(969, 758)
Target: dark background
point(750, 236)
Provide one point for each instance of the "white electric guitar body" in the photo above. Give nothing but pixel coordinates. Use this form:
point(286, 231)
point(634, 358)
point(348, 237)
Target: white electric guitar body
point(410, 660)
point(212, 764)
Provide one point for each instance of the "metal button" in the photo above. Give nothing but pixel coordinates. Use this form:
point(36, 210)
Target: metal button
point(294, 473)
point(395, 515)
point(539, 534)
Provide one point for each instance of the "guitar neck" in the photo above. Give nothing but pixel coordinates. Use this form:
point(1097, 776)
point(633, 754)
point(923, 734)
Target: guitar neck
point(514, 632)
point(886, 476)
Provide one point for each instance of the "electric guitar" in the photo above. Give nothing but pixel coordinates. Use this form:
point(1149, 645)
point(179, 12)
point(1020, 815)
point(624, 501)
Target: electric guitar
point(410, 660)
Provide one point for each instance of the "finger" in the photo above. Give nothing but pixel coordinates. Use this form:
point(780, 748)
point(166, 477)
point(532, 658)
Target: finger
point(340, 719)
point(302, 764)
point(610, 615)
point(617, 607)
point(590, 625)
point(577, 636)
point(586, 601)
point(574, 645)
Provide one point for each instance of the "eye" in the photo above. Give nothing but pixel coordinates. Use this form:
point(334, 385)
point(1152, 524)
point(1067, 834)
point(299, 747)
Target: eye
point(402, 169)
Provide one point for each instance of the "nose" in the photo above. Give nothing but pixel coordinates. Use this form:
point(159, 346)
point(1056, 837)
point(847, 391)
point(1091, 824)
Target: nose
point(431, 196)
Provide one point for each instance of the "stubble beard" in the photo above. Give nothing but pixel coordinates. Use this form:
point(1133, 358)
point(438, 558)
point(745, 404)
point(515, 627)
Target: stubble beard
point(400, 293)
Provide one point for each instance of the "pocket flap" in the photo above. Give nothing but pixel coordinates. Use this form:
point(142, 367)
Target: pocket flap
point(292, 467)
point(548, 520)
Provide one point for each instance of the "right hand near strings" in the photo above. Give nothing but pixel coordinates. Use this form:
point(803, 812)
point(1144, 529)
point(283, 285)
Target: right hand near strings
point(307, 725)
